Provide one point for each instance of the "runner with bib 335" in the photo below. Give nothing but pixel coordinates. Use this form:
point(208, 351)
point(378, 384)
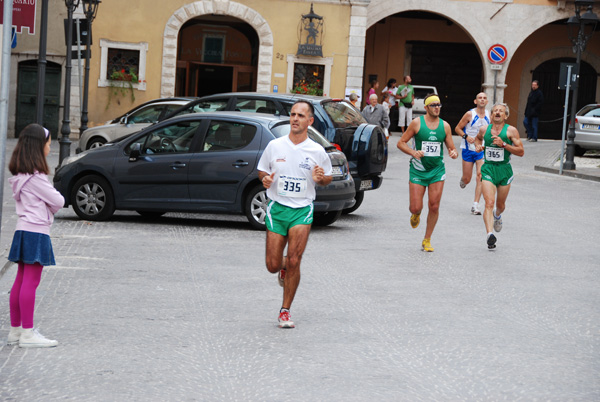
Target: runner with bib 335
point(500, 141)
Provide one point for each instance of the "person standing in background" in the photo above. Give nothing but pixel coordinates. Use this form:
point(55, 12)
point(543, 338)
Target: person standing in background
point(392, 89)
point(406, 100)
point(533, 111)
point(373, 89)
point(375, 114)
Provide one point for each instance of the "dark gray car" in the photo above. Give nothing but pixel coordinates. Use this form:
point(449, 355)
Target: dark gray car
point(201, 162)
point(364, 144)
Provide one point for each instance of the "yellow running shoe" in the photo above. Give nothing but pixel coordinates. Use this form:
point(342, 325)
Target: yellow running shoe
point(414, 220)
point(427, 245)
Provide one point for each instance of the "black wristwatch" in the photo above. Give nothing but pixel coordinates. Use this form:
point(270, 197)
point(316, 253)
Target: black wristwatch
point(465, 137)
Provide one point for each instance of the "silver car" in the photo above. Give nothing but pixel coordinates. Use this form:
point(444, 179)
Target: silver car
point(587, 129)
point(136, 119)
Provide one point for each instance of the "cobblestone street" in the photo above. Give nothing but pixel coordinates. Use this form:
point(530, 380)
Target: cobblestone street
point(182, 308)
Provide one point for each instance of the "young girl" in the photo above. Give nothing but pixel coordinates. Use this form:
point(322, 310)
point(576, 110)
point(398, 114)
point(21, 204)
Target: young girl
point(374, 87)
point(385, 102)
point(36, 203)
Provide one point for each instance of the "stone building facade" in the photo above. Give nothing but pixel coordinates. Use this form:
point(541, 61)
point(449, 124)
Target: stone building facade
point(440, 41)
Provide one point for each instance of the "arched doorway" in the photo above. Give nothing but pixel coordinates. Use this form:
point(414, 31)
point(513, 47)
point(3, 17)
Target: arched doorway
point(216, 53)
point(443, 55)
point(27, 96)
point(547, 73)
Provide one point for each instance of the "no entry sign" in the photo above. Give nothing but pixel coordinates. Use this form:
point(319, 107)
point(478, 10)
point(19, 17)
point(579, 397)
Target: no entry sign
point(497, 54)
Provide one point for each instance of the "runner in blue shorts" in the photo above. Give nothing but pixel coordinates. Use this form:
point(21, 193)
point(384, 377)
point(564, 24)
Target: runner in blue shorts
point(290, 168)
point(467, 128)
point(500, 141)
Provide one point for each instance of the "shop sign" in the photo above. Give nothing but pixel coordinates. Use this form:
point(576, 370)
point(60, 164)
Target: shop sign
point(23, 15)
point(310, 34)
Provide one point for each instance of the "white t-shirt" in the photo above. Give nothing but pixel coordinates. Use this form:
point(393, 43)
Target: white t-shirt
point(293, 184)
point(392, 99)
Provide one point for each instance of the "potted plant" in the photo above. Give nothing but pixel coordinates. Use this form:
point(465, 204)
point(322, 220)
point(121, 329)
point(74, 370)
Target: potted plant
point(121, 82)
point(308, 88)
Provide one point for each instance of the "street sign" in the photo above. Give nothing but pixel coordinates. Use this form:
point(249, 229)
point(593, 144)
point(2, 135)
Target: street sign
point(83, 31)
point(496, 66)
point(23, 15)
point(497, 54)
point(562, 75)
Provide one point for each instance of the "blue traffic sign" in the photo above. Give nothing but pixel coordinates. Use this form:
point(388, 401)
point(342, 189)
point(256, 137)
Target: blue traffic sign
point(497, 54)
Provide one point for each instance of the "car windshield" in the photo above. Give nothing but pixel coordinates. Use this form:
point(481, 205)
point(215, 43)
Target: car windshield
point(343, 114)
point(421, 93)
point(590, 111)
point(283, 128)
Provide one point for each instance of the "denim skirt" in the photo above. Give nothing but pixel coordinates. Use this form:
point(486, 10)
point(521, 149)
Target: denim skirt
point(31, 247)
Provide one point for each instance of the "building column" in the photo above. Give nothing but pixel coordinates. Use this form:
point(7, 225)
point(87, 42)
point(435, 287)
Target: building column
point(356, 49)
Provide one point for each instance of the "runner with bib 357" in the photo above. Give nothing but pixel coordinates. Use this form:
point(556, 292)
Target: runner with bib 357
point(427, 170)
point(500, 141)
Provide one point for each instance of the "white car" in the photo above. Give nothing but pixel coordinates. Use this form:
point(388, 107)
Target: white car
point(587, 129)
point(136, 119)
point(421, 91)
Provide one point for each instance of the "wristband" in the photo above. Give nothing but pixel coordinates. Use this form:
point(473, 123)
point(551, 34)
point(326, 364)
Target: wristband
point(465, 137)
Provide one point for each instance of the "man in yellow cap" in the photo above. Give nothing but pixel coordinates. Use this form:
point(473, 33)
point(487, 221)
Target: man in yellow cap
point(427, 170)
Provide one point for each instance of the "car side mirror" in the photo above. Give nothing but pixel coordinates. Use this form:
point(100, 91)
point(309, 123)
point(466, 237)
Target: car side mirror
point(123, 120)
point(134, 154)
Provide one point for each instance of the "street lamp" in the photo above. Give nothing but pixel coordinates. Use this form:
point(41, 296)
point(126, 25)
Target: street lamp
point(65, 130)
point(581, 28)
point(90, 9)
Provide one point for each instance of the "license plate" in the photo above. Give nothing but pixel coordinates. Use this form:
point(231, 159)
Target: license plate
point(336, 171)
point(590, 127)
point(366, 184)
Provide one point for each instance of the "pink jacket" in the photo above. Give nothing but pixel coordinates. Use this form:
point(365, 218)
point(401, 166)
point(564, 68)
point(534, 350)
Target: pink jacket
point(37, 202)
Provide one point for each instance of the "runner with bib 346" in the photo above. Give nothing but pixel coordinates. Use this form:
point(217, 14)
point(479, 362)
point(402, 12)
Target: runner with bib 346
point(500, 141)
point(427, 170)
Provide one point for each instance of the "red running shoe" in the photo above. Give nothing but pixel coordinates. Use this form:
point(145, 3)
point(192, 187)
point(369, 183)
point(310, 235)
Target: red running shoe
point(285, 320)
point(281, 276)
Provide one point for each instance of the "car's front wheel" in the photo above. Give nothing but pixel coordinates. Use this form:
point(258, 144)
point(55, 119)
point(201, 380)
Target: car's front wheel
point(256, 207)
point(92, 198)
point(95, 143)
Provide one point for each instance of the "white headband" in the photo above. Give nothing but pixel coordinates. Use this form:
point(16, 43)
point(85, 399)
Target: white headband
point(46, 132)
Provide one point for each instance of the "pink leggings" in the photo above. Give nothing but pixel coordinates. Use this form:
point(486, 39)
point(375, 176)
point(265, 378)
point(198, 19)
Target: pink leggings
point(22, 294)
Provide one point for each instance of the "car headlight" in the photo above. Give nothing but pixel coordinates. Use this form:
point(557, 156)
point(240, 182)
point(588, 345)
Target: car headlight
point(71, 159)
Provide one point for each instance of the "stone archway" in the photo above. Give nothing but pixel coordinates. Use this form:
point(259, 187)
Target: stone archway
point(539, 58)
point(489, 28)
point(223, 7)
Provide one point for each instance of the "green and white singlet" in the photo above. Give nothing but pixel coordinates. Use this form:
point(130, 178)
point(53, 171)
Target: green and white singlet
point(494, 154)
point(431, 143)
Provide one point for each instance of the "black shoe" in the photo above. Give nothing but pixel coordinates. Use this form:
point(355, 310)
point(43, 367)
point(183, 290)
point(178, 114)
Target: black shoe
point(491, 241)
point(533, 140)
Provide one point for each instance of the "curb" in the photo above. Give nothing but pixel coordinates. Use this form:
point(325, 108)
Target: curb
point(570, 173)
point(584, 173)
